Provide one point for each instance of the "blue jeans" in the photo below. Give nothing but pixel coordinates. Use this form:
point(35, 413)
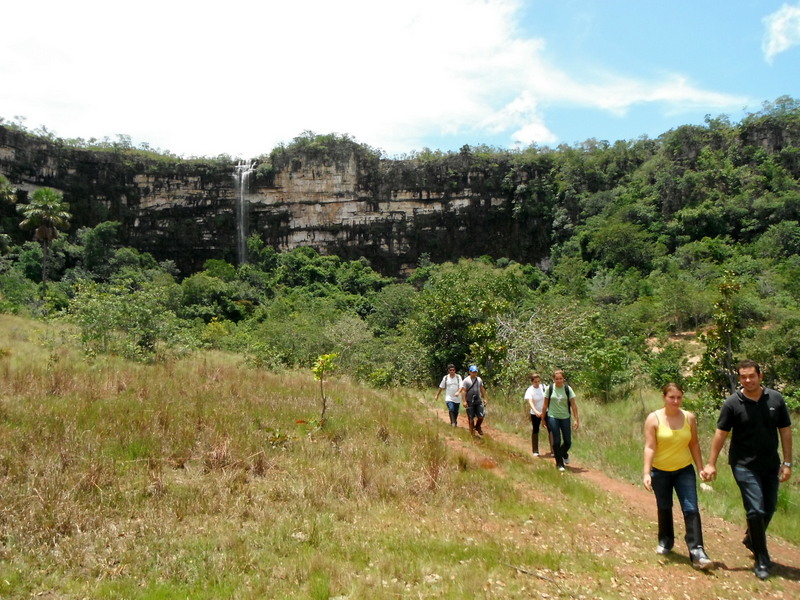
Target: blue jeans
point(452, 408)
point(560, 428)
point(759, 491)
point(683, 481)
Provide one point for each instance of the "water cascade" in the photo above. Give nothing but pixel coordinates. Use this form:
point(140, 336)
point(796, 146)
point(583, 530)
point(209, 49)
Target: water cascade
point(241, 176)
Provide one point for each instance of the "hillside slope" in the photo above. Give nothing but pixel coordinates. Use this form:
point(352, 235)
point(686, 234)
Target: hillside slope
point(630, 543)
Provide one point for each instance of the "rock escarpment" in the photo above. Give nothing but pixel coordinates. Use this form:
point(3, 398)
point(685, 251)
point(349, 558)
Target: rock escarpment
point(344, 201)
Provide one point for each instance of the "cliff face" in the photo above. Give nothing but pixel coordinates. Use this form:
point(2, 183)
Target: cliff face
point(350, 204)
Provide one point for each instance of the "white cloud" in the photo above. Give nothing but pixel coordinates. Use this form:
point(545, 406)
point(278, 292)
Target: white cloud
point(782, 31)
point(201, 79)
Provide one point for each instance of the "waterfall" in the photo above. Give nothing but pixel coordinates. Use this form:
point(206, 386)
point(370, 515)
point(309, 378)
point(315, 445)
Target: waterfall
point(241, 175)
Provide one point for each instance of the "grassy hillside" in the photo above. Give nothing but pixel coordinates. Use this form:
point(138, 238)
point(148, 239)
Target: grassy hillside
point(207, 479)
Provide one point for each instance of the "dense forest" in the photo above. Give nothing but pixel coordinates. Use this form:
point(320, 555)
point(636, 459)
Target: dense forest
point(695, 234)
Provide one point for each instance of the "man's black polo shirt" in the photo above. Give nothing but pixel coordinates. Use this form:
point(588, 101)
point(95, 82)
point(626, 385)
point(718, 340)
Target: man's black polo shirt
point(754, 441)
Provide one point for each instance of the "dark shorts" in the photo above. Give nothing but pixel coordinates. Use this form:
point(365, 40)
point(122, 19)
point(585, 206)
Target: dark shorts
point(476, 410)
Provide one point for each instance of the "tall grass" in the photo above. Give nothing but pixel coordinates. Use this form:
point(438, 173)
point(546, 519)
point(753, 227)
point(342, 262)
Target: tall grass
point(203, 478)
point(611, 439)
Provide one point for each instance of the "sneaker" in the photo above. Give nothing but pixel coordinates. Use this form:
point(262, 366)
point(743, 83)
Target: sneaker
point(700, 559)
point(762, 569)
point(479, 430)
point(663, 550)
point(536, 454)
point(566, 459)
point(561, 469)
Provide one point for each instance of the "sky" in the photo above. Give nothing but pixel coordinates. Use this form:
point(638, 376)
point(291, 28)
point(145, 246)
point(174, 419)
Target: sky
point(239, 78)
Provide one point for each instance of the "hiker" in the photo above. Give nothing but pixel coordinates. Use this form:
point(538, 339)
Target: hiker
point(474, 393)
point(757, 417)
point(451, 383)
point(559, 407)
point(670, 448)
point(534, 396)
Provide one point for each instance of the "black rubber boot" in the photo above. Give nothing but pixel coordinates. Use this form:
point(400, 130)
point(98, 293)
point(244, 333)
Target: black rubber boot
point(666, 531)
point(694, 541)
point(758, 540)
point(746, 541)
point(453, 418)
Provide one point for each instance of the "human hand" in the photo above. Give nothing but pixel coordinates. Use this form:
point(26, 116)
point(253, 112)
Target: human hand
point(709, 473)
point(648, 482)
point(784, 473)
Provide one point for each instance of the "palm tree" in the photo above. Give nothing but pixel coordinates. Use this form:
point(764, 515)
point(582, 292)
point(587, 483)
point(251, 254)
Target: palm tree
point(7, 193)
point(46, 214)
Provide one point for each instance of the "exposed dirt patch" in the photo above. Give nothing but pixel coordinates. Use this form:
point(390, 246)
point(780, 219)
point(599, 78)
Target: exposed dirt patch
point(639, 573)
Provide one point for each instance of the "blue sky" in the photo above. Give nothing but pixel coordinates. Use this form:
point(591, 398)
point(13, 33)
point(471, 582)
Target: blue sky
point(240, 78)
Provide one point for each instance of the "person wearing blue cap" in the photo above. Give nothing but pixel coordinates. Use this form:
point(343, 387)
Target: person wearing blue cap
point(474, 393)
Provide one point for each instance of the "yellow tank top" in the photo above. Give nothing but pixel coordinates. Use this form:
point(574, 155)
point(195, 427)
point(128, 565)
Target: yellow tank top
point(672, 445)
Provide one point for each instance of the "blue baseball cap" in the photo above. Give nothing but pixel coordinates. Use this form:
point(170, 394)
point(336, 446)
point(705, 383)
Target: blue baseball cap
point(473, 369)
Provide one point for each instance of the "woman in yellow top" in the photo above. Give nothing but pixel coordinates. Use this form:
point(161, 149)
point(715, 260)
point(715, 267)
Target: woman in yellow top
point(670, 448)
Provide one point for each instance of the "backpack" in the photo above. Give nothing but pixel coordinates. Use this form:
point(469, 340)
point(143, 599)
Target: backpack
point(567, 389)
point(474, 392)
point(443, 384)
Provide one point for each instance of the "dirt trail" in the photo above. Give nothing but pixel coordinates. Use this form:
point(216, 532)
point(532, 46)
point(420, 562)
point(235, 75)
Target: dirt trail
point(641, 574)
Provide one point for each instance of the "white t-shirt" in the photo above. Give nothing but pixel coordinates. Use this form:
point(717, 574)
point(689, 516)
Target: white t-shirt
point(450, 385)
point(537, 395)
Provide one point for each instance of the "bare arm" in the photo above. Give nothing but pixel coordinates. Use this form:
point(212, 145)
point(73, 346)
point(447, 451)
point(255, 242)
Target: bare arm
point(786, 446)
point(574, 405)
point(532, 405)
point(462, 391)
point(650, 425)
point(694, 443)
point(710, 470)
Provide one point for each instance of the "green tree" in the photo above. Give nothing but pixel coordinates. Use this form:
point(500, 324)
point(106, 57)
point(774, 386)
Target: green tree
point(390, 307)
point(46, 214)
point(134, 322)
point(606, 364)
point(666, 364)
point(99, 244)
point(8, 195)
point(545, 335)
point(618, 243)
point(716, 370)
point(454, 318)
point(325, 363)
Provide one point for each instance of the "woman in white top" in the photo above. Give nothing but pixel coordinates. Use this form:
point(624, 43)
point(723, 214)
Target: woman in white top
point(450, 383)
point(534, 395)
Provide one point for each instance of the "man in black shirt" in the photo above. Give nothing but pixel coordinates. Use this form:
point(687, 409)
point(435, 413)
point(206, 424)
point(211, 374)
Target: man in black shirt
point(757, 417)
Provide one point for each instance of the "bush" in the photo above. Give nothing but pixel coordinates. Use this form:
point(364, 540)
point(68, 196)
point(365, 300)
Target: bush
point(666, 364)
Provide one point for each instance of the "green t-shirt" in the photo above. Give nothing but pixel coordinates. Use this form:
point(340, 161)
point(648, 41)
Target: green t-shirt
point(559, 402)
